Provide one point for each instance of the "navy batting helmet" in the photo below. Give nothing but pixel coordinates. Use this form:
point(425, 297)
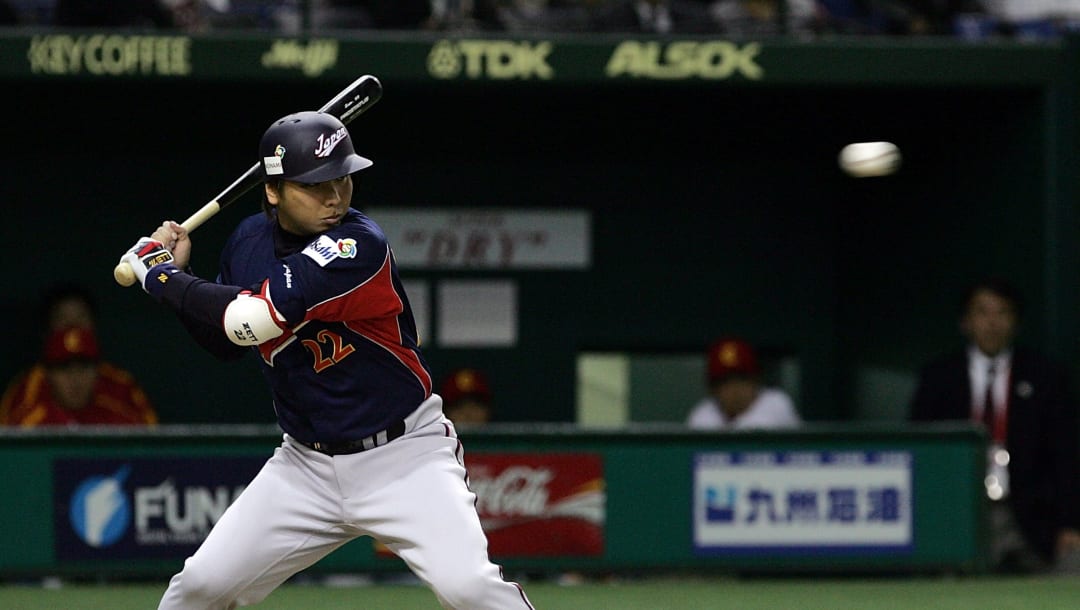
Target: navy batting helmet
point(308, 147)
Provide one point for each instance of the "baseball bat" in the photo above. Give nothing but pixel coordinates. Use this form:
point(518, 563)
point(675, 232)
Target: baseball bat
point(350, 103)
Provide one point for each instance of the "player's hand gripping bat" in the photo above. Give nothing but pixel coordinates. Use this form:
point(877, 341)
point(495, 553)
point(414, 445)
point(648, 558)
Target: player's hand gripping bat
point(350, 103)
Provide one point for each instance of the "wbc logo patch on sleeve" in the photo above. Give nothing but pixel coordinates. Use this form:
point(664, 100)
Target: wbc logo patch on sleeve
point(346, 247)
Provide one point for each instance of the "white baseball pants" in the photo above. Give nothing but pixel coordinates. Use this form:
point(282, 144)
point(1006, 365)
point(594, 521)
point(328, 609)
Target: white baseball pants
point(409, 494)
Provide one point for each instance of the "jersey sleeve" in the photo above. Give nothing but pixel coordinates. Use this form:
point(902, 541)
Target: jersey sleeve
point(119, 392)
point(200, 304)
point(340, 276)
point(19, 396)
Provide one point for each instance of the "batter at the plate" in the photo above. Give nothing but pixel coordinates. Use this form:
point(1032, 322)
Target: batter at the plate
point(311, 286)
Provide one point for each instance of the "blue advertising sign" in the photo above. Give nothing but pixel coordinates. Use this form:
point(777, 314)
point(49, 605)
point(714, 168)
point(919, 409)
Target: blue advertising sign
point(142, 507)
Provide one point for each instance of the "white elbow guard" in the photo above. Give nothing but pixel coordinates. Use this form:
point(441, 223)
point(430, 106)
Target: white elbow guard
point(249, 320)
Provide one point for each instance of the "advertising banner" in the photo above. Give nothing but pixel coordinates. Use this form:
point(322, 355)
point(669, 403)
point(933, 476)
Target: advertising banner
point(142, 508)
point(537, 504)
point(540, 504)
point(812, 501)
point(436, 238)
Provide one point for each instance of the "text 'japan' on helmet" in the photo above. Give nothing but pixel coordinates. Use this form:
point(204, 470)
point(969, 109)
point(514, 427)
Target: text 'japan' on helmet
point(308, 147)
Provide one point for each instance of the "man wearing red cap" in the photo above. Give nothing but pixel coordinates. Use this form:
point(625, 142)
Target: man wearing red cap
point(466, 397)
point(737, 399)
point(72, 385)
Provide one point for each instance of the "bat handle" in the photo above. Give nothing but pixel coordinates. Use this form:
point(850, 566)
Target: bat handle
point(125, 276)
point(202, 215)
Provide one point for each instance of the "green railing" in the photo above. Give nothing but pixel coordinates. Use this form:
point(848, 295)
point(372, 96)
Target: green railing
point(650, 517)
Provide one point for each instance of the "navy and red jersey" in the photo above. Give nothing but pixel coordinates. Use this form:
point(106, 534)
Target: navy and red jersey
point(348, 364)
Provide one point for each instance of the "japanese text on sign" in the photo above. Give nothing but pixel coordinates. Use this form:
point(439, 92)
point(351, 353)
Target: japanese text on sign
point(802, 500)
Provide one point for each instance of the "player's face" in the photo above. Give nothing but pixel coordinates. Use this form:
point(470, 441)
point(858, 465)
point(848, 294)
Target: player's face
point(990, 322)
point(307, 209)
point(72, 384)
point(468, 411)
point(736, 394)
point(71, 312)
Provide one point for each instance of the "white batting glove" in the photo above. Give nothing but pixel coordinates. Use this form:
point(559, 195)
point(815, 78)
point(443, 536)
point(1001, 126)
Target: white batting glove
point(145, 255)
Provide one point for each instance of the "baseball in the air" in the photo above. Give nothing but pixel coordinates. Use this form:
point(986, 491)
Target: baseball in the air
point(868, 159)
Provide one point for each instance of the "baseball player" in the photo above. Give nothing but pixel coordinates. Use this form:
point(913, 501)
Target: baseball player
point(311, 286)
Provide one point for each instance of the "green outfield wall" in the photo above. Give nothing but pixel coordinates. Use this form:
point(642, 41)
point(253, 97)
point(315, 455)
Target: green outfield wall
point(706, 167)
point(646, 510)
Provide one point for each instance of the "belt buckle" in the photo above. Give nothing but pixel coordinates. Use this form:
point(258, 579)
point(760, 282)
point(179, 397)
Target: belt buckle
point(395, 431)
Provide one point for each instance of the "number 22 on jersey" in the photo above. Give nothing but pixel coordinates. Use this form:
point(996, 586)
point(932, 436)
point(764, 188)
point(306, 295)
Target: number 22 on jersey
point(328, 348)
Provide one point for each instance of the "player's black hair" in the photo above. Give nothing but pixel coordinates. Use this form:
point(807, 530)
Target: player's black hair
point(57, 293)
point(276, 184)
point(997, 285)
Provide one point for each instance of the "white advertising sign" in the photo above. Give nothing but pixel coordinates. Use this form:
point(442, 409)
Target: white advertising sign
point(802, 500)
point(431, 238)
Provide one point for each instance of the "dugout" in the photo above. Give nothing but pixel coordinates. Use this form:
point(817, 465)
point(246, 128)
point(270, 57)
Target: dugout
point(706, 168)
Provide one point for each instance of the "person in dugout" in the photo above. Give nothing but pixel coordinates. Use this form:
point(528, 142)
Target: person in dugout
point(72, 385)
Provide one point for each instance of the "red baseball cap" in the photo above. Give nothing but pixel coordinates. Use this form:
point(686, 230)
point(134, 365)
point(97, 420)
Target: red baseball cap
point(731, 356)
point(465, 382)
point(72, 343)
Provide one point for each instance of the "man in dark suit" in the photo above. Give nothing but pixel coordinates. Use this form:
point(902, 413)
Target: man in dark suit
point(1025, 402)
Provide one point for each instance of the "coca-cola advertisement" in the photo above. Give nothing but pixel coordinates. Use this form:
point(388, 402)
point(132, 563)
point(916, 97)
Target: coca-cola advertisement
point(540, 504)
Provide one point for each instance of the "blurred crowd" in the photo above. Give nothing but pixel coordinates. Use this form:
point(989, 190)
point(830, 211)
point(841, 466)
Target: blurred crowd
point(968, 19)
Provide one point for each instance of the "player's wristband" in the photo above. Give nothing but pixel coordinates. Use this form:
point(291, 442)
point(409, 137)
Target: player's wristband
point(157, 277)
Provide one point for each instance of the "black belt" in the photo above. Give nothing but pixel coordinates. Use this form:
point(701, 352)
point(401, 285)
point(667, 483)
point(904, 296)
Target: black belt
point(396, 430)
